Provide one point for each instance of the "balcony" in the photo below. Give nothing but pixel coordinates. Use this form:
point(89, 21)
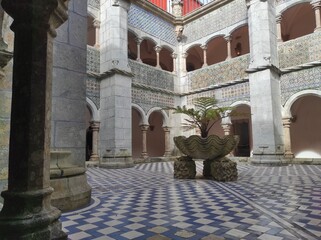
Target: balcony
point(300, 51)
point(151, 76)
point(220, 73)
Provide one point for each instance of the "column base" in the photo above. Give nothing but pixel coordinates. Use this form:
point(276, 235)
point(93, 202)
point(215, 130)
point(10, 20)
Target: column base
point(116, 162)
point(94, 157)
point(29, 216)
point(269, 160)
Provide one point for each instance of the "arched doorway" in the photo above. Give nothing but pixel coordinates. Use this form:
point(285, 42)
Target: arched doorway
point(137, 140)
point(89, 133)
point(241, 126)
point(155, 135)
point(305, 127)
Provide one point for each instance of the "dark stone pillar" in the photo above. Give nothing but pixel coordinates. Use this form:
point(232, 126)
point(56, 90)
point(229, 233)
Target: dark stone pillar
point(27, 212)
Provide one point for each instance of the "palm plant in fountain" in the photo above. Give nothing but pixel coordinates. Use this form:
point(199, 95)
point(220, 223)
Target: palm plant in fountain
point(212, 149)
point(204, 115)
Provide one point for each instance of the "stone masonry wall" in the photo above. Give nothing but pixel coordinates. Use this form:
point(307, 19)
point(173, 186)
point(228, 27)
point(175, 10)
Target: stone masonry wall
point(220, 18)
point(69, 75)
point(152, 24)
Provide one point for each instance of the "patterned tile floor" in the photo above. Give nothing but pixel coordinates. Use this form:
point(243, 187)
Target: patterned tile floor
point(146, 202)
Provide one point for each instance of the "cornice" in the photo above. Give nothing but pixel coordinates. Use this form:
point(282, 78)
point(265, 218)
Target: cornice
point(150, 7)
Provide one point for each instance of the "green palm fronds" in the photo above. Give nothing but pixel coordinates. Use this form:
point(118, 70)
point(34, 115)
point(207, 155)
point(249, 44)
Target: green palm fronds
point(203, 116)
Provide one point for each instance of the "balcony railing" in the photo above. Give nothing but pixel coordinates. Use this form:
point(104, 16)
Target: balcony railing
point(151, 76)
point(301, 50)
point(188, 5)
point(220, 73)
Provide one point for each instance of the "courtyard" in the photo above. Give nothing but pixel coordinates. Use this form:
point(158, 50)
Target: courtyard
point(146, 202)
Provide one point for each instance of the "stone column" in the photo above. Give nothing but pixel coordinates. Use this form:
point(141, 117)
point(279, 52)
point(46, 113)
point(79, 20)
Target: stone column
point(264, 78)
point(157, 50)
point(278, 28)
point(138, 41)
point(97, 29)
point(184, 57)
point(167, 142)
point(316, 4)
point(27, 212)
point(287, 138)
point(174, 56)
point(204, 47)
point(115, 87)
point(228, 39)
point(95, 129)
point(144, 129)
point(226, 129)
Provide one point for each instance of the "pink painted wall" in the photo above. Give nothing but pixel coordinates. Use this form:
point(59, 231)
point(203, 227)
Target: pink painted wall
point(136, 134)
point(306, 129)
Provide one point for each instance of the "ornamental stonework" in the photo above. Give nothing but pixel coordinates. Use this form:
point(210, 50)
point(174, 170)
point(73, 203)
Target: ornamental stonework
point(93, 60)
point(149, 99)
point(297, 81)
point(151, 24)
point(223, 72)
point(216, 20)
point(93, 90)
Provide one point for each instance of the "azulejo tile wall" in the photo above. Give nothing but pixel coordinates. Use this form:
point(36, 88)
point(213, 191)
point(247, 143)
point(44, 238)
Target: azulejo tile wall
point(300, 50)
point(219, 73)
point(151, 24)
point(92, 84)
point(147, 99)
point(151, 76)
point(94, 3)
point(216, 20)
point(294, 82)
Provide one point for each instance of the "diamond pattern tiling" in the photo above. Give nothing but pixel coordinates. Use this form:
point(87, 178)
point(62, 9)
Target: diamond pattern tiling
point(146, 202)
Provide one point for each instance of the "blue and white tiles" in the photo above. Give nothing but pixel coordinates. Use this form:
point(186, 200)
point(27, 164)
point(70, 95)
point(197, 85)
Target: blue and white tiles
point(146, 202)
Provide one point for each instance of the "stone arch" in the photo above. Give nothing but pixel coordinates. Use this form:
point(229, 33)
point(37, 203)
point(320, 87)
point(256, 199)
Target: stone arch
point(298, 19)
point(163, 113)
point(213, 37)
point(139, 123)
point(192, 46)
point(285, 6)
point(241, 124)
point(140, 110)
point(286, 111)
point(93, 109)
point(304, 111)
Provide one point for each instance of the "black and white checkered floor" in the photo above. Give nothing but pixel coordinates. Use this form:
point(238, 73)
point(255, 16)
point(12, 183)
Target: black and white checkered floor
point(146, 202)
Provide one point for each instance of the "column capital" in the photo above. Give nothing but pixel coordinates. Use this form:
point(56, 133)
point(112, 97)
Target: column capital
point(174, 55)
point(228, 38)
point(157, 48)
point(287, 122)
point(315, 3)
point(96, 23)
point(138, 40)
point(278, 18)
point(204, 46)
point(166, 128)
point(184, 54)
point(50, 13)
point(144, 127)
point(95, 125)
